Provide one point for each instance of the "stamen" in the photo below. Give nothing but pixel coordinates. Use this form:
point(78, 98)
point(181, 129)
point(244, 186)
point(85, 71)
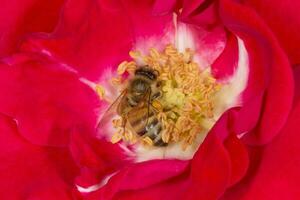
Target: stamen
point(100, 91)
point(186, 105)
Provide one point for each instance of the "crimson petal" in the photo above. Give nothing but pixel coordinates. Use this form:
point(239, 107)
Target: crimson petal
point(270, 72)
point(283, 19)
point(274, 173)
point(238, 156)
point(225, 65)
point(32, 172)
point(47, 101)
point(86, 38)
point(96, 158)
point(210, 170)
point(19, 18)
point(93, 36)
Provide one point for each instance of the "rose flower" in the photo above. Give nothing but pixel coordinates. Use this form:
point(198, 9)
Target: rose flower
point(130, 99)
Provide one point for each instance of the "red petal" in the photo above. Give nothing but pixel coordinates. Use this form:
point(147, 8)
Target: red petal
point(174, 188)
point(226, 63)
point(95, 35)
point(171, 189)
point(270, 71)
point(275, 169)
point(238, 156)
point(141, 176)
point(48, 102)
point(284, 20)
point(143, 21)
point(97, 158)
point(163, 7)
point(18, 18)
point(209, 41)
point(31, 172)
point(201, 12)
point(210, 172)
point(215, 167)
point(91, 36)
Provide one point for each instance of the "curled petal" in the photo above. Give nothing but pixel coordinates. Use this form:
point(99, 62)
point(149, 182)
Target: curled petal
point(98, 159)
point(270, 73)
point(210, 170)
point(238, 157)
point(85, 39)
point(141, 176)
point(47, 101)
point(284, 26)
point(201, 12)
point(225, 65)
point(20, 18)
point(144, 23)
point(88, 40)
point(164, 7)
point(32, 172)
point(274, 170)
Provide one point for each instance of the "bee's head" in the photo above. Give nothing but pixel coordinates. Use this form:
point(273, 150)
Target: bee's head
point(147, 72)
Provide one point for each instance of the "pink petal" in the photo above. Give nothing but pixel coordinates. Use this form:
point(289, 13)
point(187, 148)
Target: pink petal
point(95, 35)
point(274, 173)
point(211, 44)
point(19, 18)
point(220, 162)
point(210, 170)
point(140, 176)
point(283, 19)
point(269, 70)
point(201, 12)
point(86, 38)
point(165, 190)
point(210, 36)
point(96, 158)
point(32, 172)
point(238, 157)
point(47, 101)
point(143, 22)
point(224, 66)
point(164, 7)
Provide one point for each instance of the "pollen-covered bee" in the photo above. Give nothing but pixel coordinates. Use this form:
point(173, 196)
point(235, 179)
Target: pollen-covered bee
point(134, 105)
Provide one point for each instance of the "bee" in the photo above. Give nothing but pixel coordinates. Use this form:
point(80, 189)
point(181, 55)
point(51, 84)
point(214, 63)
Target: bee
point(134, 105)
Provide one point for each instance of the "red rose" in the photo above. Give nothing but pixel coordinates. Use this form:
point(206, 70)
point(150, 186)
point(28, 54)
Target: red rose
point(56, 57)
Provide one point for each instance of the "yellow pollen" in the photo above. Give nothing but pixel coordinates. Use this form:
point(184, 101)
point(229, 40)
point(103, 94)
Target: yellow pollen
point(186, 107)
point(157, 105)
point(116, 138)
point(147, 141)
point(100, 91)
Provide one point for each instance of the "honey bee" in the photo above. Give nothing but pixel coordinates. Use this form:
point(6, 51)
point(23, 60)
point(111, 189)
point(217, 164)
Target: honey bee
point(134, 105)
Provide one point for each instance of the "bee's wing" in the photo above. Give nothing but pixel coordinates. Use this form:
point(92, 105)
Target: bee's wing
point(112, 110)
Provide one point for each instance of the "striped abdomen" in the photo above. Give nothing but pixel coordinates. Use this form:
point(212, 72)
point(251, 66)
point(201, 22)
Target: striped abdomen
point(146, 124)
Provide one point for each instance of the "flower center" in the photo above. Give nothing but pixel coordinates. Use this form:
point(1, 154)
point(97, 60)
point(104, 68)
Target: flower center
point(177, 103)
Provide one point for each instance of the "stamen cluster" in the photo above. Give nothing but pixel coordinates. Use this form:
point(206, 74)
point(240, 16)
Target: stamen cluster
point(187, 103)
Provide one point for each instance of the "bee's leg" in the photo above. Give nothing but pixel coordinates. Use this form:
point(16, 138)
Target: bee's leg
point(154, 133)
point(158, 139)
point(160, 143)
point(124, 122)
point(148, 108)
